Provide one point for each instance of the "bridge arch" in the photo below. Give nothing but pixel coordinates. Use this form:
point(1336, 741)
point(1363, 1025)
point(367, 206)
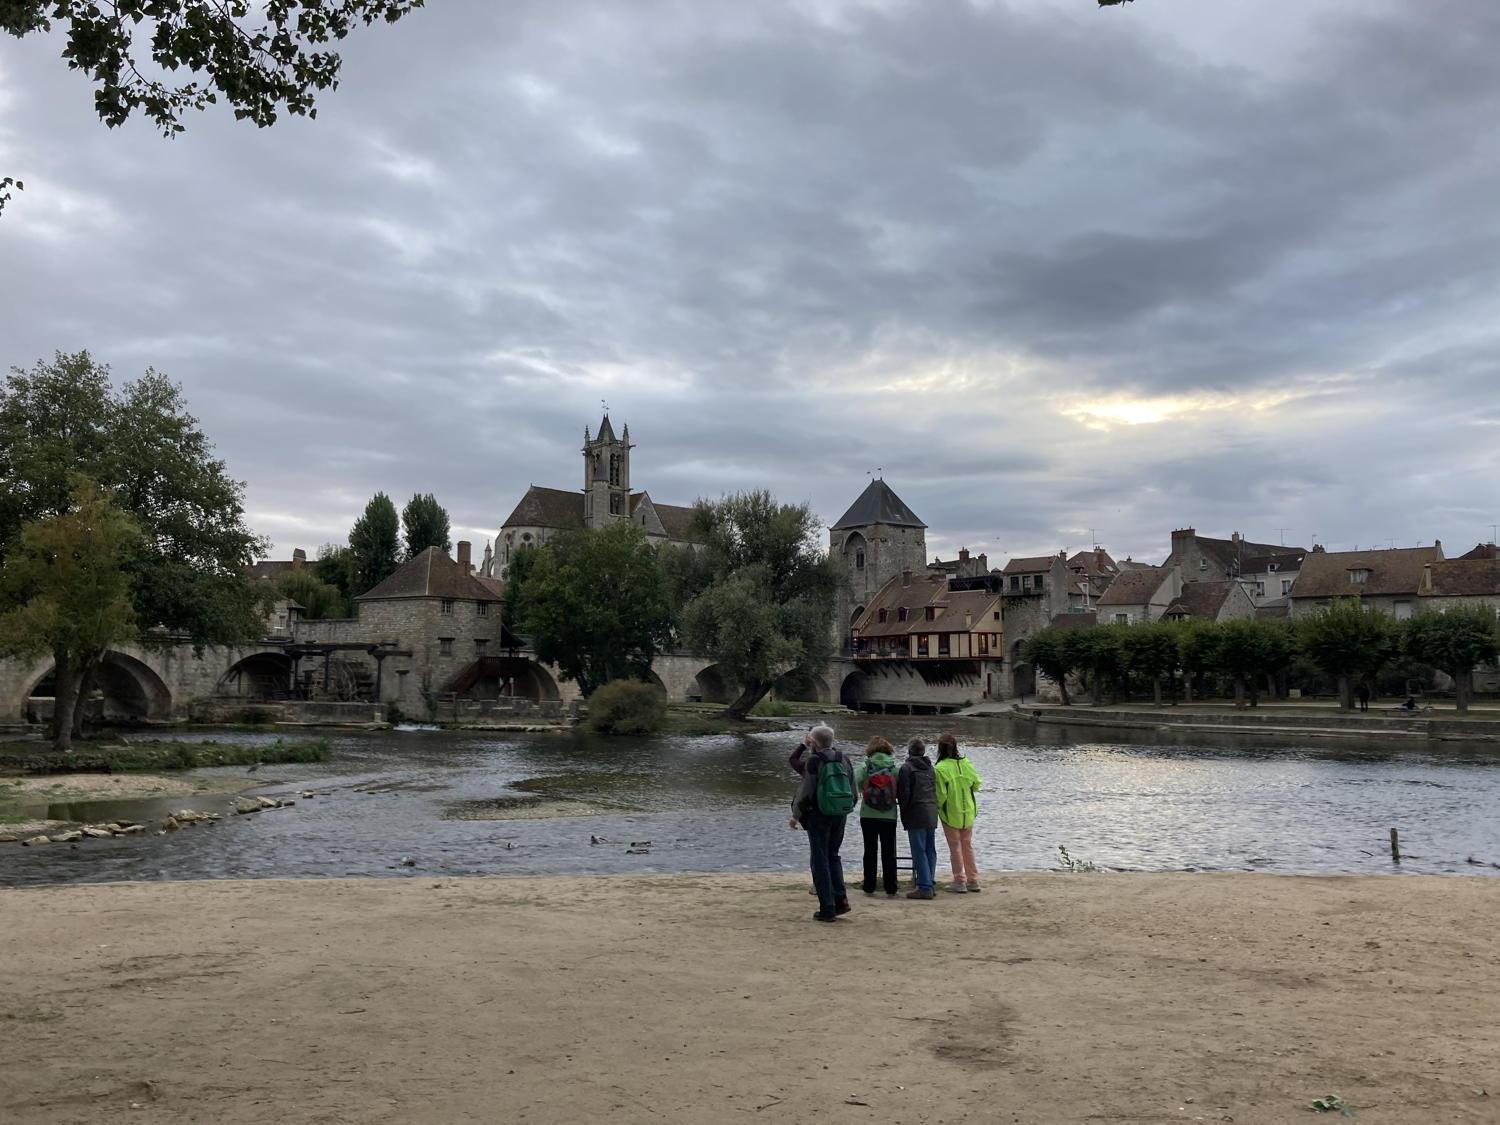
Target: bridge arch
point(802, 687)
point(710, 685)
point(259, 676)
point(852, 690)
point(505, 677)
point(126, 686)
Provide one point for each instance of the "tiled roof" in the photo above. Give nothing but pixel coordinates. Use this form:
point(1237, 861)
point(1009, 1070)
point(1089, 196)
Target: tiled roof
point(1261, 564)
point(1029, 565)
point(1272, 612)
point(1134, 587)
point(1325, 574)
point(1086, 620)
point(1480, 551)
point(1232, 556)
point(547, 507)
point(676, 519)
point(1200, 599)
point(878, 504)
point(1093, 562)
point(1465, 577)
point(432, 574)
point(949, 606)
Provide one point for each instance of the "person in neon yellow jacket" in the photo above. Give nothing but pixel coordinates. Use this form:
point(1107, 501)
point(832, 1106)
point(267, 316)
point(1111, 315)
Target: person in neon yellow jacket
point(958, 804)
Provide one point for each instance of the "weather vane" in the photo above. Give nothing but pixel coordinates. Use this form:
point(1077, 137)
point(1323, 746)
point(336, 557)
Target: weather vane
point(604, 404)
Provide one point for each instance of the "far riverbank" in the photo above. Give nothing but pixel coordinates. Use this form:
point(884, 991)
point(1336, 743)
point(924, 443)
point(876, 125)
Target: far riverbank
point(691, 998)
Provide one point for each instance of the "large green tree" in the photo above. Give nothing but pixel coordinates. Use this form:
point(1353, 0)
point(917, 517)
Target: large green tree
point(595, 604)
point(759, 593)
point(424, 523)
point(317, 598)
point(67, 593)
point(1049, 654)
point(262, 59)
point(1346, 640)
point(337, 567)
point(1149, 653)
point(374, 543)
point(64, 419)
point(1456, 641)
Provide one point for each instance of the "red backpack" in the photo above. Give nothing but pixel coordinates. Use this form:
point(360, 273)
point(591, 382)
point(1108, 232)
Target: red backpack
point(879, 793)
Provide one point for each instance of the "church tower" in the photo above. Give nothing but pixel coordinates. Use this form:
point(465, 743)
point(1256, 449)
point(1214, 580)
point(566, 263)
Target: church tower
point(606, 476)
point(874, 541)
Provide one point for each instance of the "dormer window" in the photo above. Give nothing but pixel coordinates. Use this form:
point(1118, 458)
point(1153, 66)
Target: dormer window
point(901, 614)
point(882, 616)
point(1359, 575)
point(1202, 565)
point(1273, 567)
point(931, 613)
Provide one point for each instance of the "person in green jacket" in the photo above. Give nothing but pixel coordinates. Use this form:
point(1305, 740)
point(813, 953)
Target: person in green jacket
point(957, 788)
point(875, 779)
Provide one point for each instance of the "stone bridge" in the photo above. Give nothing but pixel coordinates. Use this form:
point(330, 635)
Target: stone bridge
point(167, 681)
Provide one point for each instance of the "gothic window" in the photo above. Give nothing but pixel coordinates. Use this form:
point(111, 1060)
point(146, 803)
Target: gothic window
point(859, 560)
point(616, 502)
point(614, 472)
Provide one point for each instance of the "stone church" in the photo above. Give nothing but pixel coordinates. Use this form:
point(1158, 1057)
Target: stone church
point(604, 498)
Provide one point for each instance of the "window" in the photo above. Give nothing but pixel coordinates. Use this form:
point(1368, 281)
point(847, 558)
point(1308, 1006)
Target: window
point(921, 644)
point(929, 613)
point(1025, 581)
point(1286, 586)
point(445, 607)
point(1403, 610)
point(881, 615)
point(859, 560)
point(997, 615)
point(482, 608)
point(1260, 589)
point(614, 469)
point(1273, 567)
point(445, 646)
point(616, 504)
point(1358, 575)
point(1015, 582)
point(984, 644)
point(480, 644)
point(942, 644)
point(901, 614)
point(1122, 619)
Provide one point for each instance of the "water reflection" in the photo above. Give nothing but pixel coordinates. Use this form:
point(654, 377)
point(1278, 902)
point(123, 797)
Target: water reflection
point(1167, 801)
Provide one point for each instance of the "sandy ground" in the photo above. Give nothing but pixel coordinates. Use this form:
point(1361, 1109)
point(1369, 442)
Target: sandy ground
point(28, 791)
point(1062, 998)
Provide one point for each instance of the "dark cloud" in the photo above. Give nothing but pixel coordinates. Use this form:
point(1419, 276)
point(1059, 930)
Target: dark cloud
point(1050, 268)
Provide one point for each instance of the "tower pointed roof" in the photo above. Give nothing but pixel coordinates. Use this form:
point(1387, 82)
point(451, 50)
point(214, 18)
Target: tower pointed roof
point(878, 503)
point(606, 431)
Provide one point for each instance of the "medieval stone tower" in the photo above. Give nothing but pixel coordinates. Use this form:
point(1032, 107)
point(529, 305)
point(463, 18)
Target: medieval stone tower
point(606, 476)
point(875, 540)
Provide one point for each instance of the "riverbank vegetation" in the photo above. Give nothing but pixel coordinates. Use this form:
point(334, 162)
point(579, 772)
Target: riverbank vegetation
point(630, 707)
point(1334, 650)
point(117, 757)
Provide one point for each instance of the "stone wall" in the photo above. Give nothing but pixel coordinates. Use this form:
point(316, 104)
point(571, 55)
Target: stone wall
point(888, 551)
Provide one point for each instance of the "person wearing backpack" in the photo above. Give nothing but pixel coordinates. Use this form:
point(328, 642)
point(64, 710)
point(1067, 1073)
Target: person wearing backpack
point(916, 793)
point(957, 783)
point(876, 781)
point(822, 801)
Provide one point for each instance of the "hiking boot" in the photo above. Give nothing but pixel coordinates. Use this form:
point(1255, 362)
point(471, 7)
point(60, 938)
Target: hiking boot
point(920, 893)
point(973, 888)
point(819, 916)
point(842, 906)
point(959, 889)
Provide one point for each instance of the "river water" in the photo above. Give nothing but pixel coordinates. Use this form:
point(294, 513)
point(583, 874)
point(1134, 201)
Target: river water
point(402, 803)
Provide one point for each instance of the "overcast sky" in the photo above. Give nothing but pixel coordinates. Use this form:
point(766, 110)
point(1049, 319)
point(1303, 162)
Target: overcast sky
point(1050, 268)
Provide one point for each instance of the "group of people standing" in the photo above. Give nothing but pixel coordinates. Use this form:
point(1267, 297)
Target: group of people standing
point(920, 795)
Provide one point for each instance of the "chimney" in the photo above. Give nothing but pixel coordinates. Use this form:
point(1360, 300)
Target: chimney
point(963, 554)
point(906, 578)
point(1184, 533)
point(299, 558)
point(464, 547)
point(1235, 538)
point(1438, 543)
point(1426, 587)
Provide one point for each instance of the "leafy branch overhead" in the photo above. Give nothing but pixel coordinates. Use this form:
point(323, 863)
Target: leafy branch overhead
point(262, 59)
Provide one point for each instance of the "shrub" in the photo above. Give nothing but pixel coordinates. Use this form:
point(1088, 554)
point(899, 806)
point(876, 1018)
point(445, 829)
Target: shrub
point(771, 708)
point(627, 707)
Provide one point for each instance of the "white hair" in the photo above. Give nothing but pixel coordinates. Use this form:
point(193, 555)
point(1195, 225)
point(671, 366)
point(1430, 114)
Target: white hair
point(823, 735)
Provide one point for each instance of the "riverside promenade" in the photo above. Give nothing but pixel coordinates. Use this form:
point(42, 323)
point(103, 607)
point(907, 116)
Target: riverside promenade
point(688, 998)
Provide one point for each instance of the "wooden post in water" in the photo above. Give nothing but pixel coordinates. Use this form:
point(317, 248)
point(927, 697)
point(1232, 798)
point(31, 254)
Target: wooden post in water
point(1395, 847)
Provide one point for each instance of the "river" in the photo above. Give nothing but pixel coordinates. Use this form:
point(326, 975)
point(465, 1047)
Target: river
point(404, 803)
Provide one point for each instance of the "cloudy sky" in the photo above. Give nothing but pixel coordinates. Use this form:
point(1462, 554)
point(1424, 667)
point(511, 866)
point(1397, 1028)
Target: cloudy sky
point(1050, 268)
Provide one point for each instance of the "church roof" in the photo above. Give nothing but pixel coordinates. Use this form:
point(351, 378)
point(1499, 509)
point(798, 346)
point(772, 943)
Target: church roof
point(878, 503)
point(677, 520)
point(547, 507)
point(606, 431)
point(431, 574)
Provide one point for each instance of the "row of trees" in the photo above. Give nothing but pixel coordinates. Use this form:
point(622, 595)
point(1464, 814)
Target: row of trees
point(1345, 642)
point(117, 523)
point(754, 594)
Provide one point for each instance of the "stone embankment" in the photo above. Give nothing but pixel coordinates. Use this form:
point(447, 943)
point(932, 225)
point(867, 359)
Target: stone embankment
point(1269, 720)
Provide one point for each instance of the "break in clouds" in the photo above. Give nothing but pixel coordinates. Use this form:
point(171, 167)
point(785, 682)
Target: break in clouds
point(1050, 268)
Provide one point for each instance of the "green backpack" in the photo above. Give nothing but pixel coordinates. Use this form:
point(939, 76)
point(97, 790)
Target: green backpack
point(835, 787)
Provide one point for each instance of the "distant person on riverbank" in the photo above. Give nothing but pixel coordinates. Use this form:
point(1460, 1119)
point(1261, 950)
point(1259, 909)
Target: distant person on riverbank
point(822, 801)
point(957, 784)
point(1363, 693)
point(916, 793)
point(875, 779)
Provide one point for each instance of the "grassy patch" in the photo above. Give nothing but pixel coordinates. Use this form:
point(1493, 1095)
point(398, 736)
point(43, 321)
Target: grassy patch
point(123, 757)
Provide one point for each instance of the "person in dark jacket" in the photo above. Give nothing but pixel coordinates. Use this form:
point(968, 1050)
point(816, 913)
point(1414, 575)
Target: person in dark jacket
point(797, 759)
point(825, 833)
point(916, 794)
